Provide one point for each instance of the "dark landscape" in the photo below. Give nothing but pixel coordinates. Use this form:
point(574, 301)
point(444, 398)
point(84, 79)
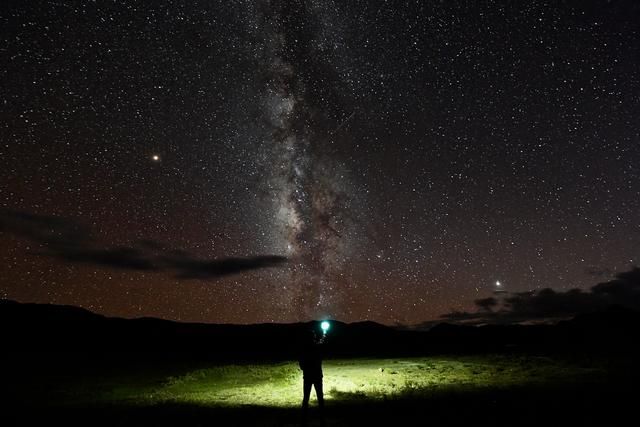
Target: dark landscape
point(75, 367)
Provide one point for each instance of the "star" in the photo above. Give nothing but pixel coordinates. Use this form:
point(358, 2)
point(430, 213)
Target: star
point(387, 168)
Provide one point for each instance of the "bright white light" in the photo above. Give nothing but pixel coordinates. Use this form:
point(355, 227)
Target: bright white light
point(498, 284)
point(325, 326)
point(155, 158)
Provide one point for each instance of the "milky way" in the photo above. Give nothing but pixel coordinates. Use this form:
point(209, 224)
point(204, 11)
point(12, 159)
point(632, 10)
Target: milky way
point(404, 156)
point(310, 191)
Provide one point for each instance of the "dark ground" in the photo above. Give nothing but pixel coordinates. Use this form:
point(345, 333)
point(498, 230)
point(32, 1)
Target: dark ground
point(47, 348)
point(607, 399)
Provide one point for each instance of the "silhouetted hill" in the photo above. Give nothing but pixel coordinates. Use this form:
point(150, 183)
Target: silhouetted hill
point(56, 328)
point(44, 328)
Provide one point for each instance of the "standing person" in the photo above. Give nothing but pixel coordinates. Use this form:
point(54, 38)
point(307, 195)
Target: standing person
point(311, 364)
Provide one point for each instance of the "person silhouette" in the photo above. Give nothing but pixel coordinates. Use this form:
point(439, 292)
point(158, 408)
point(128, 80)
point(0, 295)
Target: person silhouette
point(311, 365)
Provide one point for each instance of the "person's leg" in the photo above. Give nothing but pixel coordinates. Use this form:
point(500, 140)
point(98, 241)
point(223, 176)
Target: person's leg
point(306, 390)
point(317, 384)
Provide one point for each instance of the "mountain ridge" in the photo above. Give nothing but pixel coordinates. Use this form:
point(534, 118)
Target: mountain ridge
point(49, 328)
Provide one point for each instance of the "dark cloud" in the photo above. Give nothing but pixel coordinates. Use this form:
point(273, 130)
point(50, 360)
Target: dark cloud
point(623, 290)
point(119, 257)
point(487, 304)
point(187, 267)
point(72, 242)
point(55, 232)
point(548, 305)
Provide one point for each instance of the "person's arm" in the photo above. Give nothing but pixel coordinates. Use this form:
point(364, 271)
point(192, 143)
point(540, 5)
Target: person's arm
point(301, 361)
point(322, 338)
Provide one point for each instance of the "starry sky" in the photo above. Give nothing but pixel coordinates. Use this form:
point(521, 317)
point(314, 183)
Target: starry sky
point(406, 157)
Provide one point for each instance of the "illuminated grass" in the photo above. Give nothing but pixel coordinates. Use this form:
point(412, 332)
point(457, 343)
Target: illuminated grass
point(280, 384)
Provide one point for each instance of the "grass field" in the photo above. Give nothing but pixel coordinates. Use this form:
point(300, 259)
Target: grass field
point(280, 384)
point(446, 390)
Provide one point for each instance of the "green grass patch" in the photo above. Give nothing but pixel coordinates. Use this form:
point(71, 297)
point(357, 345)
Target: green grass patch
point(280, 384)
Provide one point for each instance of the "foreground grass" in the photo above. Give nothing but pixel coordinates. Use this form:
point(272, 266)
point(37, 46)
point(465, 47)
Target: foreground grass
point(280, 384)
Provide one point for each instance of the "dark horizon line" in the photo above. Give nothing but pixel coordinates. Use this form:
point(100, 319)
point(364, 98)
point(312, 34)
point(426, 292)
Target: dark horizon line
point(423, 326)
point(77, 307)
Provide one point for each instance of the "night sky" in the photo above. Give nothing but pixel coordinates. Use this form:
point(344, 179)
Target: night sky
point(158, 158)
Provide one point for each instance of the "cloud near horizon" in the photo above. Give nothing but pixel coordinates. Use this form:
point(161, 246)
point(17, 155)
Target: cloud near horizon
point(69, 241)
point(548, 305)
